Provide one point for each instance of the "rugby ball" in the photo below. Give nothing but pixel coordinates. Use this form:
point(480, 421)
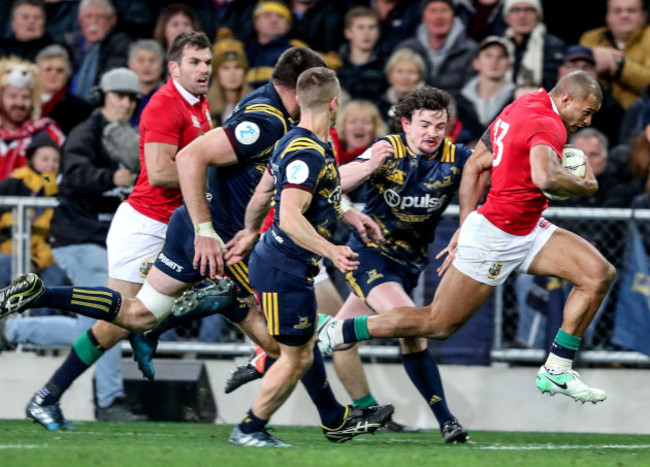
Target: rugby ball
point(573, 160)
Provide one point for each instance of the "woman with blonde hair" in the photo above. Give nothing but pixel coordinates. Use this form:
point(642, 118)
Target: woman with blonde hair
point(358, 124)
point(405, 70)
point(228, 83)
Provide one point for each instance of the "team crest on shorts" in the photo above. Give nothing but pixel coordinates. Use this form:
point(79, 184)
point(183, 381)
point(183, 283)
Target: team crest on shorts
point(494, 270)
point(303, 324)
point(145, 267)
point(372, 275)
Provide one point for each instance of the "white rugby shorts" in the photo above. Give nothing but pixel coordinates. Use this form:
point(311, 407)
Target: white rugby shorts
point(489, 255)
point(133, 243)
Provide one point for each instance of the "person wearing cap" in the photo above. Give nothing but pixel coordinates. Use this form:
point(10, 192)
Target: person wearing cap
point(228, 83)
point(272, 20)
point(20, 111)
point(485, 96)
point(94, 181)
point(537, 54)
point(443, 44)
point(622, 50)
point(608, 119)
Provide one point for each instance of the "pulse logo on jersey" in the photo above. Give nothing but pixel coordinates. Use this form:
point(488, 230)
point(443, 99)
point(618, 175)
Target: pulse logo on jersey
point(247, 132)
point(395, 200)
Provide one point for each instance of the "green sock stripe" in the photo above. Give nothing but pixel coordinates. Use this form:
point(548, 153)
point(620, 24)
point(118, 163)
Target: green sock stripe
point(361, 328)
point(568, 341)
point(366, 401)
point(86, 350)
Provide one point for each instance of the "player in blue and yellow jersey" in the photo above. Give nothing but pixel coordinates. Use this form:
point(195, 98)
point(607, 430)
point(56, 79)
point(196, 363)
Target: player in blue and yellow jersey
point(406, 196)
point(193, 249)
point(285, 261)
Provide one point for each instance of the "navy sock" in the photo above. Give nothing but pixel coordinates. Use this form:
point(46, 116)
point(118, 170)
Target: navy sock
point(315, 380)
point(234, 312)
point(423, 371)
point(251, 423)
point(268, 362)
point(355, 329)
point(85, 351)
point(94, 302)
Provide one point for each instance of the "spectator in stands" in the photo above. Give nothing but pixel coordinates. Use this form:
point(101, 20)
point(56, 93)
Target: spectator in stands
point(538, 54)
point(362, 72)
point(608, 118)
point(95, 180)
point(174, 20)
point(58, 103)
point(28, 27)
point(639, 159)
point(358, 124)
point(441, 41)
point(272, 21)
point(319, 23)
point(405, 70)
point(20, 113)
point(482, 18)
point(622, 50)
point(228, 84)
point(99, 47)
point(36, 179)
point(398, 21)
point(485, 96)
point(146, 59)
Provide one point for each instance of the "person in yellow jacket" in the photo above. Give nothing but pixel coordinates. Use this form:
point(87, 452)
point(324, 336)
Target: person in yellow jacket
point(622, 50)
point(38, 179)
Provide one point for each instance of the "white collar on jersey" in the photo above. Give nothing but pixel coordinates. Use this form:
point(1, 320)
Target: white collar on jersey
point(188, 96)
point(554, 107)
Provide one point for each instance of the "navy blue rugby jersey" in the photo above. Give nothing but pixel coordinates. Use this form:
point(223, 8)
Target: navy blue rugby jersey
point(301, 160)
point(256, 125)
point(407, 196)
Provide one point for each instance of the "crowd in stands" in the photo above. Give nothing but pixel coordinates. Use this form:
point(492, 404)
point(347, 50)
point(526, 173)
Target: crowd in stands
point(485, 53)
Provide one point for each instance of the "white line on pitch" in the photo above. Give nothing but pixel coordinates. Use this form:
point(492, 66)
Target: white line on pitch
point(540, 447)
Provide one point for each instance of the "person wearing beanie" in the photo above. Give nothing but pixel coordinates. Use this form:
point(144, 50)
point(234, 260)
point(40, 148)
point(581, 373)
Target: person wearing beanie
point(441, 41)
point(272, 20)
point(537, 54)
point(20, 113)
point(622, 50)
point(228, 85)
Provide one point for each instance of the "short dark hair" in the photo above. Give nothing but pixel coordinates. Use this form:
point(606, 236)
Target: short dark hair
point(359, 12)
point(426, 98)
point(316, 87)
point(197, 40)
point(292, 63)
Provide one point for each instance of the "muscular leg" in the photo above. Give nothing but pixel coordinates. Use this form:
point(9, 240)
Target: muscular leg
point(568, 256)
point(254, 326)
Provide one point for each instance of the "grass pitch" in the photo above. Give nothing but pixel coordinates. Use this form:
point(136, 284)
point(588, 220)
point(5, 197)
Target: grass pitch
point(23, 443)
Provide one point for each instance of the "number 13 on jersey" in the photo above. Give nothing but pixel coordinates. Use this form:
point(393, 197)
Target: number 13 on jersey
point(500, 130)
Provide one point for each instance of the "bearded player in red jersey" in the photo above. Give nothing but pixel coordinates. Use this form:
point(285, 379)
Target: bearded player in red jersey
point(522, 151)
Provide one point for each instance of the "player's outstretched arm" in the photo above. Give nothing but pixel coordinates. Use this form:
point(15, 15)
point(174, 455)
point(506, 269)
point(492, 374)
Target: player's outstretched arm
point(293, 203)
point(192, 162)
point(256, 210)
point(355, 173)
point(548, 175)
point(476, 175)
point(161, 169)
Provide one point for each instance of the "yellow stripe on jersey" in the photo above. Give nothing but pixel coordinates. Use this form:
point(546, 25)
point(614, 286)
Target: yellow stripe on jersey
point(269, 109)
point(398, 145)
point(448, 152)
point(301, 144)
point(240, 272)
